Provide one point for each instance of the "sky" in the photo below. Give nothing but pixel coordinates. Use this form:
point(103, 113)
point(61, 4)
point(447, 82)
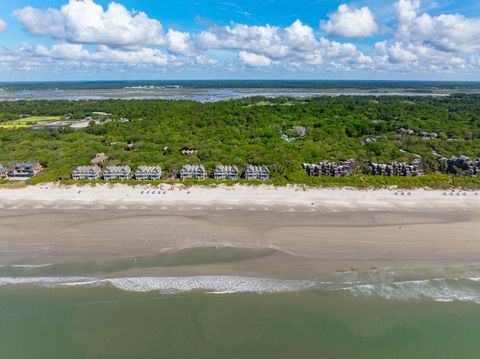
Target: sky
point(239, 39)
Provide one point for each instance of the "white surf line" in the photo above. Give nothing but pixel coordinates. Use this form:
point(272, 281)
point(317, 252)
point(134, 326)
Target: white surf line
point(436, 289)
point(25, 265)
point(169, 285)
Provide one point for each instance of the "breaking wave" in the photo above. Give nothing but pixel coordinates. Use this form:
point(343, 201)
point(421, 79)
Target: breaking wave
point(27, 266)
point(40, 281)
point(214, 284)
point(440, 290)
point(386, 284)
point(172, 285)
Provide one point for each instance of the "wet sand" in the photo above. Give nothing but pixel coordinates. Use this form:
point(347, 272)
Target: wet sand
point(279, 244)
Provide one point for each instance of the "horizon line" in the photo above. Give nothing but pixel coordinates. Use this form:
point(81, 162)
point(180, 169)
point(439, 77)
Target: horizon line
point(240, 80)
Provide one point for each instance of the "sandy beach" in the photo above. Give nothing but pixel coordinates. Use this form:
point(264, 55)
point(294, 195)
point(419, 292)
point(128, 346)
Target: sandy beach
point(286, 198)
point(288, 232)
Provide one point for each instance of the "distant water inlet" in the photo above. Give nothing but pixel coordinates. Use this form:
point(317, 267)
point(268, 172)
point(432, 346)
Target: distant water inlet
point(212, 91)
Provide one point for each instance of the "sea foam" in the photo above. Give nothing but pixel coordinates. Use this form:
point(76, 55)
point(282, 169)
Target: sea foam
point(447, 289)
point(438, 289)
point(40, 281)
point(214, 284)
point(172, 285)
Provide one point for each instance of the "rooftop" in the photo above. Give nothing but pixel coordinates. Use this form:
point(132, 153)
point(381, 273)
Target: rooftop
point(118, 168)
point(87, 168)
point(193, 167)
point(148, 168)
point(226, 167)
point(26, 163)
point(99, 158)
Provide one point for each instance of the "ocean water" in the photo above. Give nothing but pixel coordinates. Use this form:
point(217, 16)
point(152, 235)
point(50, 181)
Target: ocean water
point(212, 91)
point(104, 322)
point(387, 313)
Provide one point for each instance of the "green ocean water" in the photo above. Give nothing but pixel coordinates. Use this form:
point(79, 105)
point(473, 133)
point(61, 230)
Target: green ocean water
point(105, 322)
point(106, 310)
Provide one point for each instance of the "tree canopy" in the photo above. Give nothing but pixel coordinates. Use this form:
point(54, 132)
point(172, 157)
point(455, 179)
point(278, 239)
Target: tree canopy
point(246, 131)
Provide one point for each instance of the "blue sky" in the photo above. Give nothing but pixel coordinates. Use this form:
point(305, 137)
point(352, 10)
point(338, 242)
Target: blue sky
point(233, 39)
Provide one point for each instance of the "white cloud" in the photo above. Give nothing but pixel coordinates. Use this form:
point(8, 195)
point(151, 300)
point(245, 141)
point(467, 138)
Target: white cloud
point(452, 32)
point(299, 35)
point(337, 49)
point(396, 53)
point(204, 60)
point(266, 39)
point(104, 54)
point(351, 22)
point(123, 36)
point(179, 42)
point(410, 57)
point(296, 43)
point(423, 42)
point(448, 32)
point(90, 36)
point(254, 60)
point(64, 51)
point(83, 21)
point(313, 58)
point(407, 10)
point(141, 56)
point(3, 25)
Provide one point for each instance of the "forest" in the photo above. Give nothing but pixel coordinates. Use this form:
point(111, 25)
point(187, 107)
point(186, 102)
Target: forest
point(255, 130)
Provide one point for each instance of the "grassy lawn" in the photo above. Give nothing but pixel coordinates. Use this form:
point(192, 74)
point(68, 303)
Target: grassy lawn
point(14, 125)
point(29, 121)
point(38, 119)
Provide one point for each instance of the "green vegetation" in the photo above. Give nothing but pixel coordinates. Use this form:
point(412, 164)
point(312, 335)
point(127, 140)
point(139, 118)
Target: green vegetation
point(248, 131)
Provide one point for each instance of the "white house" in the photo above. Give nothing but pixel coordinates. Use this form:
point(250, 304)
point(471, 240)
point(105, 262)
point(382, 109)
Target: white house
point(193, 171)
point(144, 173)
point(226, 173)
point(117, 173)
point(261, 173)
point(86, 173)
